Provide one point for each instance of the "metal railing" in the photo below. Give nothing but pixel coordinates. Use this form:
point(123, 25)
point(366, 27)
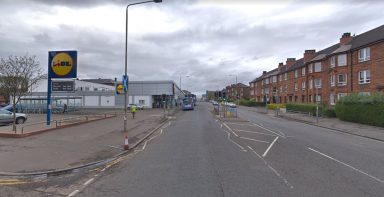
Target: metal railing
point(77, 119)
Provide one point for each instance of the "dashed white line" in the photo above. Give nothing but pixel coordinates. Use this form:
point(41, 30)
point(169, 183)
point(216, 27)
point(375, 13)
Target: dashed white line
point(145, 144)
point(241, 124)
point(73, 193)
point(272, 169)
point(270, 146)
point(89, 181)
point(254, 140)
point(345, 164)
point(261, 126)
point(230, 130)
point(239, 130)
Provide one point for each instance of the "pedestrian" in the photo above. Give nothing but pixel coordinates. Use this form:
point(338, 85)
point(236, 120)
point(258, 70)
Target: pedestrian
point(133, 110)
point(65, 108)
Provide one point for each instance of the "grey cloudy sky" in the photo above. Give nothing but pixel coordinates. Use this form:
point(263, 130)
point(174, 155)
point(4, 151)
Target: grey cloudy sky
point(207, 40)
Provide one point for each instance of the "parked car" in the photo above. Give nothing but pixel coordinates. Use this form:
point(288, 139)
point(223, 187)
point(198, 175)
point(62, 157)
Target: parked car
point(10, 108)
point(138, 107)
point(6, 117)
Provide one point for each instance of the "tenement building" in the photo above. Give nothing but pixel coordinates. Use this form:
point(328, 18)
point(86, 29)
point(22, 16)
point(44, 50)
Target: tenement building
point(354, 65)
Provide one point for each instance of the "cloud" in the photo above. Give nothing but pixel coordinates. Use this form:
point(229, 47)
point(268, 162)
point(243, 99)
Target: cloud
point(205, 40)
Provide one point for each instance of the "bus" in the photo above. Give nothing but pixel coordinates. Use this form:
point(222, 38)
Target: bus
point(188, 104)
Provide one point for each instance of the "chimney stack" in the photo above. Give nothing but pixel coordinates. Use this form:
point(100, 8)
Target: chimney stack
point(264, 72)
point(309, 54)
point(345, 38)
point(290, 62)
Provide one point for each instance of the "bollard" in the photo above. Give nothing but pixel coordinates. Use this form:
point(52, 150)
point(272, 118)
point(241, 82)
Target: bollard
point(126, 143)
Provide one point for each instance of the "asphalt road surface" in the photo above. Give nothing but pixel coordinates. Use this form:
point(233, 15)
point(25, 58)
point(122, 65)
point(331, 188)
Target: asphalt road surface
point(197, 155)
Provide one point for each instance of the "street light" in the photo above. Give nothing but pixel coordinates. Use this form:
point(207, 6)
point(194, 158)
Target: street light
point(126, 55)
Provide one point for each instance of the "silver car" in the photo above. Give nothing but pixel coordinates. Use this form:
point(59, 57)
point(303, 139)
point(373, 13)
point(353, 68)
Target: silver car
point(6, 117)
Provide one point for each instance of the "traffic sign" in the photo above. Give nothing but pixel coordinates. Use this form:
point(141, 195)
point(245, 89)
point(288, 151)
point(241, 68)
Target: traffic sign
point(125, 83)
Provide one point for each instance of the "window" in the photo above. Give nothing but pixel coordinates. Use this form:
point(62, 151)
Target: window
point(295, 86)
point(318, 98)
point(310, 84)
point(333, 61)
point(342, 80)
point(285, 76)
point(303, 85)
point(86, 88)
point(141, 102)
point(286, 88)
point(364, 93)
point(303, 71)
point(310, 68)
point(364, 76)
point(281, 89)
point(332, 79)
point(267, 90)
point(342, 60)
point(341, 95)
point(332, 99)
point(364, 54)
point(274, 79)
point(280, 77)
point(317, 83)
point(318, 67)
point(266, 81)
point(296, 73)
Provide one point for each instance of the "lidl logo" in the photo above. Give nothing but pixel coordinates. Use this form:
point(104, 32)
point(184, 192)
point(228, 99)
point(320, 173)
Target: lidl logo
point(62, 64)
point(119, 89)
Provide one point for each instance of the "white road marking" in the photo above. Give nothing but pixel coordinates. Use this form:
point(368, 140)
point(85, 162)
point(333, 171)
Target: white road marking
point(254, 140)
point(241, 124)
point(116, 147)
point(161, 131)
point(89, 181)
point(230, 130)
point(145, 144)
point(272, 169)
point(229, 138)
point(261, 126)
point(270, 146)
point(239, 130)
point(73, 193)
point(221, 125)
point(345, 164)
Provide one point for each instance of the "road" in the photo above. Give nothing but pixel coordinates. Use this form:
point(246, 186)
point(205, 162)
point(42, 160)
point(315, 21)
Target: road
point(197, 155)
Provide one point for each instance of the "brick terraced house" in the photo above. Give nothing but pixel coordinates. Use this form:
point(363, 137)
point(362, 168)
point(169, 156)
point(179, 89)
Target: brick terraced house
point(354, 65)
point(239, 89)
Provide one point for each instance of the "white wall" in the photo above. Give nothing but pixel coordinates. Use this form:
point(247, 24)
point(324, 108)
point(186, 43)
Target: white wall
point(107, 100)
point(91, 101)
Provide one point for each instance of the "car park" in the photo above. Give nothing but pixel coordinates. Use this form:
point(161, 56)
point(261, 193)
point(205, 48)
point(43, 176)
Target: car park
point(6, 117)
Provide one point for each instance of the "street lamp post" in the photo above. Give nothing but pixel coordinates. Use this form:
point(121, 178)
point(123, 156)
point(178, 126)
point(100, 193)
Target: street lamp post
point(126, 55)
point(180, 82)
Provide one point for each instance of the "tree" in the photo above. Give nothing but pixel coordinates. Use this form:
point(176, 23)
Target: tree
point(17, 75)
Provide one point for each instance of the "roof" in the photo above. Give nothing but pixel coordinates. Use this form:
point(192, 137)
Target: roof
point(372, 36)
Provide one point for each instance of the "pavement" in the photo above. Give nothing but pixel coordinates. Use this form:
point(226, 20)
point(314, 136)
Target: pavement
point(368, 131)
point(76, 145)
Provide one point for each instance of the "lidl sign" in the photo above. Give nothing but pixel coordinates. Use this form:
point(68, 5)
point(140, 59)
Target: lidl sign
point(62, 64)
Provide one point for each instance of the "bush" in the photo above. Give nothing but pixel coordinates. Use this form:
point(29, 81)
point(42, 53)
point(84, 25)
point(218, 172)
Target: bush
point(329, 112)
point(362, 109)
point(276, 106)
point(311, 108)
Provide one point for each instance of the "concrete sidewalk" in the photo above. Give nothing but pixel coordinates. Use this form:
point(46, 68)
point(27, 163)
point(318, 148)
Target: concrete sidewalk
point(330, 123)
point(77, 145)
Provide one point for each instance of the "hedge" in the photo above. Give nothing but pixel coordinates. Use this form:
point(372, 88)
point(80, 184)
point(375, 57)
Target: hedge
point(311, 108)
point(362, 109)
point(276, 106)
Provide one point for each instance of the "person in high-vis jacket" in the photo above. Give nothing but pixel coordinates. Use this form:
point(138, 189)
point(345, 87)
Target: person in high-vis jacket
point(133, 110)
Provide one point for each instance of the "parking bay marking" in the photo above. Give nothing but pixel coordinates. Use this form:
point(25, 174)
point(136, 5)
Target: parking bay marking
point(239, 130)
point(254, 140)
point(345, 164)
